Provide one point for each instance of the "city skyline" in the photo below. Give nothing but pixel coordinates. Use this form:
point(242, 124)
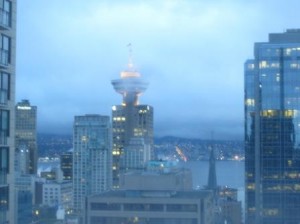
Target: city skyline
point(181, 48)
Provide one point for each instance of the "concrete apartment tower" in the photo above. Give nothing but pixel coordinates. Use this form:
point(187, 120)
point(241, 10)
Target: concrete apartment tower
point(91, 158)
point(7, 105)
point(132, 125)
point(272, 130)
point(26, 137)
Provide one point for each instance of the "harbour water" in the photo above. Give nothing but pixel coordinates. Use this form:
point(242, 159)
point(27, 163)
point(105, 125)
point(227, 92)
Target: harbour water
point(229, 173)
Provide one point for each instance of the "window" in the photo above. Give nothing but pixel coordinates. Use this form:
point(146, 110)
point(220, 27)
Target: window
point(4, 167)
point(5, 50)
point(4, 198)
point(105, 206)
point(4, 126)
point(5, 13)
point(4, 87)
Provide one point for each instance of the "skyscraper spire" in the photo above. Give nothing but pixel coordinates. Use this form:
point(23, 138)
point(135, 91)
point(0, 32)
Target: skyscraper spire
point(130, 60)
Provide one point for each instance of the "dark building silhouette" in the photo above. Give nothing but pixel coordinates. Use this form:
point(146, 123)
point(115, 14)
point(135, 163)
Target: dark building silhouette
point(26, 137)
point(66, 160)
point(212, 174)
point(272, 130)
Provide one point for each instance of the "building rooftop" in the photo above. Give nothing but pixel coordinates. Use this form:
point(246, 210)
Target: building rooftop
point(290, 36)
point(153, 194)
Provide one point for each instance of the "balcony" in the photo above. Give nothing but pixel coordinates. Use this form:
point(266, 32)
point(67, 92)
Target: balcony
point(4, 20)
point(4, 54)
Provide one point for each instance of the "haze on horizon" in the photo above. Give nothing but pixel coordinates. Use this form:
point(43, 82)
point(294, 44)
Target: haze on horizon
point(191, 52)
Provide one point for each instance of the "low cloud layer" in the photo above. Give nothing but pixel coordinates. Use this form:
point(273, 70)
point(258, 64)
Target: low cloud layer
point(191, 52)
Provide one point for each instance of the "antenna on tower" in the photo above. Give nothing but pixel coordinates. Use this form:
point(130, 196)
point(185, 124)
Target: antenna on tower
point(130, 62)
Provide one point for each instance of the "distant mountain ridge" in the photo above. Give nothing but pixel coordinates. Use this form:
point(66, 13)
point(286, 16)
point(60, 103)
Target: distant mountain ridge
point(56, 144)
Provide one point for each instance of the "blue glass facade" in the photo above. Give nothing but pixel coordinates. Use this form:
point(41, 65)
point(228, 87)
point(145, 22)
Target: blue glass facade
point(25, 207)
point(272, 130)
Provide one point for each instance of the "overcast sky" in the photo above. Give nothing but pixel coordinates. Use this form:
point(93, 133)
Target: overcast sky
point(191, 52)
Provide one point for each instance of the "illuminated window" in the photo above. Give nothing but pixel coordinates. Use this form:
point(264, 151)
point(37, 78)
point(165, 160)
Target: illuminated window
point(294, 65)
point(250, 102)
point(290, 113)
point(251, 66)
point(269, 113)
point(297, 187)
point(84, 138)
point(271, 212)
point(263, 64)
point(250, 186)
point(275, 65)
point(288, 51)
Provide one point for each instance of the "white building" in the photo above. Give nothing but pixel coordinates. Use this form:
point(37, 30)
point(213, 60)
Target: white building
point(58, 194)
point(91, 158)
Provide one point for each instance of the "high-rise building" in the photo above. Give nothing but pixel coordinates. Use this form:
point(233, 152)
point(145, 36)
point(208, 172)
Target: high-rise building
point(7, 103)
point(272, 130)
point(26, 137)
point(132, 125)
point(91, 158)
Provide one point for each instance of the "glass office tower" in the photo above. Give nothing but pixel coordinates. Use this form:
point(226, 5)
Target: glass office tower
point(7, 104)
point(272, 130)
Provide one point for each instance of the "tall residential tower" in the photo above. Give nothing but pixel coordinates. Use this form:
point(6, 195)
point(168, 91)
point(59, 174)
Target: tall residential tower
point(272, 130)
point(91, 158)
point(132, 125)
point(7, 105)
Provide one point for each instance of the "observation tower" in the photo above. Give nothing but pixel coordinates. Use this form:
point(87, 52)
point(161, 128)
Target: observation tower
point(132, 125)
point(130, 85)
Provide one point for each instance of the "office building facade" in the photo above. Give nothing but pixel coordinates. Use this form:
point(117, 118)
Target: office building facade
point(26, 137)
point(91, 158)
point(272, 130)
point(182, 207)
point(160, 195)
point(7, 104)
point(132, 125)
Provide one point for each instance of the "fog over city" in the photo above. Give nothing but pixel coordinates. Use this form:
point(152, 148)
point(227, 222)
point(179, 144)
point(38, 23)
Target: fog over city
point(191, 53)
